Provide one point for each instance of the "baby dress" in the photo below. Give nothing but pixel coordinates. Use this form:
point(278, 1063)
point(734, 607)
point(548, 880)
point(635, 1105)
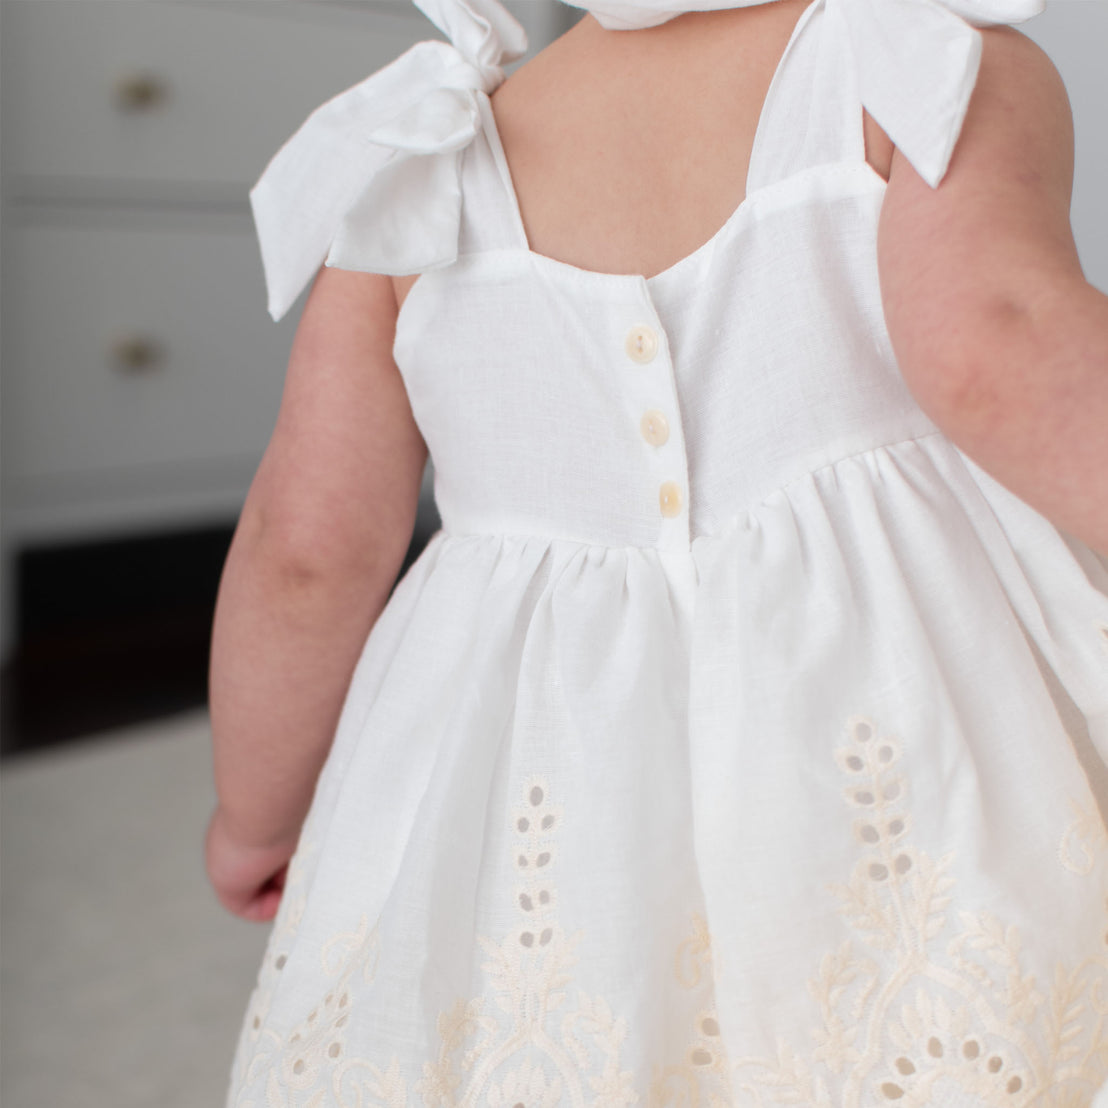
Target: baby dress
point(737, 740)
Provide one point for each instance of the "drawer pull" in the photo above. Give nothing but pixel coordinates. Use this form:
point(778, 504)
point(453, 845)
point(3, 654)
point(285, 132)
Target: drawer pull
point(133, 353)
point(140, 92)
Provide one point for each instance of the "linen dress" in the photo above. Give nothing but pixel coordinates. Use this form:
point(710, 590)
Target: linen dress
point(737, 740)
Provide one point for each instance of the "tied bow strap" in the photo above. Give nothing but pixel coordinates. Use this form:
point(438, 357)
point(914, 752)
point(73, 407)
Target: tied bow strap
point(916, 63)
point(370, 180)
point(916, 60)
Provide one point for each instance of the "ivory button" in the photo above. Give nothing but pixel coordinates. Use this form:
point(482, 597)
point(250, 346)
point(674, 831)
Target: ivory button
point(654, 427)
point(669, 499)
point(642, 344)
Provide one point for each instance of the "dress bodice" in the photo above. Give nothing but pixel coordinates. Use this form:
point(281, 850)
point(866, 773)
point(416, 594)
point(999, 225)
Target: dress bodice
point(624, 410)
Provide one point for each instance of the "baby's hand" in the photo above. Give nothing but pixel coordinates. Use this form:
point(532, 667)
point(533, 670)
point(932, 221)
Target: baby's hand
point(248, 880)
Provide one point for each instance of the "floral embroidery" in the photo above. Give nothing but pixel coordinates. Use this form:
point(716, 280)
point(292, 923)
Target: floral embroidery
point(527, 971)
point(285, 926)
point(1084, 838)
point(701, 1076)
point(316, 1049)
point(911, 1024)
point(509, 1064)
point(694, 955)
point(913, 1012)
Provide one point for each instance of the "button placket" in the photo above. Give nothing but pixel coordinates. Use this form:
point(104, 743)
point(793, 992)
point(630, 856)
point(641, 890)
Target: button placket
point(659, 427)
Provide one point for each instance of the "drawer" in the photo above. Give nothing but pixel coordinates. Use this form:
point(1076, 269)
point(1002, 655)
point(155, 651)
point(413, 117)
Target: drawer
point(237, 78)
point(83, 416)
point(235, 84)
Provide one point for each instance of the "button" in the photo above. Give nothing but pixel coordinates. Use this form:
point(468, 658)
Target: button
point(669, 499)
point(642, 344)
point(654, 427)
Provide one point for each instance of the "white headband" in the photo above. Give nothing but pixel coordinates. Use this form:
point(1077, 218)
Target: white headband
point(618, 15)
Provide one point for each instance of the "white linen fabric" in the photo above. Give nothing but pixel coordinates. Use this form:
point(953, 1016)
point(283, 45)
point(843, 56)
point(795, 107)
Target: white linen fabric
point(734, 740)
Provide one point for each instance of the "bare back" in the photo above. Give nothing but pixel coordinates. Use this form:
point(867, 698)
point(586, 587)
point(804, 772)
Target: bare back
point(629, 150)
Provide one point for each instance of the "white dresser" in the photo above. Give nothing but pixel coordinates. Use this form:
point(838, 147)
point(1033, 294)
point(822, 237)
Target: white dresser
point(141, 371)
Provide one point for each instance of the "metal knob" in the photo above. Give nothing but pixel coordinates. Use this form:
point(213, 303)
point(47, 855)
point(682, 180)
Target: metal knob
point(134, 353)
point(140, 92)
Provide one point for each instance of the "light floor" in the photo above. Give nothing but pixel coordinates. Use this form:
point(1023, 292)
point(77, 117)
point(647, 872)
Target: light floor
point(122, 980)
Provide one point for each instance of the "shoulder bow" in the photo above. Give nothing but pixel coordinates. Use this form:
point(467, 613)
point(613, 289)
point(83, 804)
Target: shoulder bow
point(370, 180)
point(916, 60)
point(916, 63)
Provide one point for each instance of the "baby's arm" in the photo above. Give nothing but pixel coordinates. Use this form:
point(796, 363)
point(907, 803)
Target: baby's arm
point(999, 336)
point(322, 535)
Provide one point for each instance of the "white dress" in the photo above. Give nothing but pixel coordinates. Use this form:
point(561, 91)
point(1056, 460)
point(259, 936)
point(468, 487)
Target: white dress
point(737, 740)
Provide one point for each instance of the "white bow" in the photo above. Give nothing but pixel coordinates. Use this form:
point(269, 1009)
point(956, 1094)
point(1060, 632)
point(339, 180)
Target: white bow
point(916, 60)
point(370, 180)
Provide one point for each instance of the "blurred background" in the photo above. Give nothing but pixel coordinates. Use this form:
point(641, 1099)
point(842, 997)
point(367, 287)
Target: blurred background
point(141, 372)
point(141, 377)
